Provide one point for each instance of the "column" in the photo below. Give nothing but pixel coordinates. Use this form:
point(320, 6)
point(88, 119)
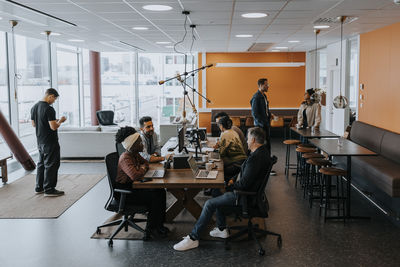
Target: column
point(95, 85)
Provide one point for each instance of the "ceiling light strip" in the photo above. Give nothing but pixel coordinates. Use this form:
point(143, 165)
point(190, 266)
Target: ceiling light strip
point(41, 12)
point(152, 23)
point(260, 64)
point(112, 23)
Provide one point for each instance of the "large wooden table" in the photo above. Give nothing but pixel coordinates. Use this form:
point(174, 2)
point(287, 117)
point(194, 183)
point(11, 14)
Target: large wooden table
point(183, 186)
point(348, 149)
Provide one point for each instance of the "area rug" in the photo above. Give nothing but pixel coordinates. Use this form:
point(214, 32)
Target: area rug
point(19, 201)
point(181, 226)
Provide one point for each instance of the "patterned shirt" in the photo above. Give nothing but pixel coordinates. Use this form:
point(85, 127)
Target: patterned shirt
point(129, 168)
point(231, 148)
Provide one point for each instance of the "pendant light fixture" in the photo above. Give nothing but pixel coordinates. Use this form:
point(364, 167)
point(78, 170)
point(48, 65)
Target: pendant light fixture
point(341, 102)
point(319, 93)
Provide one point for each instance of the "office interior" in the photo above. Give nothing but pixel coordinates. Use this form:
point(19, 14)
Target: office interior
point(124, 56)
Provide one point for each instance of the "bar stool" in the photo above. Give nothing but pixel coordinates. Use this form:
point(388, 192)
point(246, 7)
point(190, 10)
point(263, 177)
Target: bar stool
point(301, 163)
point(315, 179)
point(328, 173)
point(289, 165)
point(305, 145)
point(307, 177)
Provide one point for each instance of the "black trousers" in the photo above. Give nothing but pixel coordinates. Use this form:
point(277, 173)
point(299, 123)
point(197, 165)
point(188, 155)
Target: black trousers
point(48, 165)
point(154, 200)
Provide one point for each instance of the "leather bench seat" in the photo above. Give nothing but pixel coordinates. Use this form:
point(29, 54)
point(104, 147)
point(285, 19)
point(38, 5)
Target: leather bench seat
point(384, 173)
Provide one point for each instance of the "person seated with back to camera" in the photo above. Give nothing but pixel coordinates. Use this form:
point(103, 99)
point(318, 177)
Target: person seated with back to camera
point(235, 128)
point(152, 150)
point(250, 178)
point(230, 148)
point(132, 167)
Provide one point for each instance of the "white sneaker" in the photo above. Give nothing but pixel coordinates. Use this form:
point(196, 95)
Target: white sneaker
point(218, 233)
point(186, 244)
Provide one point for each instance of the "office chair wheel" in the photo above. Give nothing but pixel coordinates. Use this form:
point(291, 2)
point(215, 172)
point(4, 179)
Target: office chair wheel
point(279, 241)
point(110, 243)
point(98, 231)
point(261, 252)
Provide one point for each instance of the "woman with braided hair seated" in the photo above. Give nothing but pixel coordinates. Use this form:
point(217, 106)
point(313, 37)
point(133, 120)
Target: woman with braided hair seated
point(132, 167)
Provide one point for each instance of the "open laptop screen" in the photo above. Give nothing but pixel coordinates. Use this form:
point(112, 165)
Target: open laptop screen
point(193, 165)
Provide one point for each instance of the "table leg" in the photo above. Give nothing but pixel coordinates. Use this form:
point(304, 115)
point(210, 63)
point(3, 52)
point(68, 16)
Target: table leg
point(3, 165)
point(184, 200)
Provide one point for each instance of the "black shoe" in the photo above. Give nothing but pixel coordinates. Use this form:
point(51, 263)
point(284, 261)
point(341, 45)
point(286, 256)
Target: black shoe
point(163, 230)
point(154, 234)
point(39, 190)
point(53, 193)
point(207, 192)
point(272, 173)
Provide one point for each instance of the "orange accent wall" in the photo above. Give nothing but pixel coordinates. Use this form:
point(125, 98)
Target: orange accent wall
point(205, 120)
point(233, 87)
point(380, 74)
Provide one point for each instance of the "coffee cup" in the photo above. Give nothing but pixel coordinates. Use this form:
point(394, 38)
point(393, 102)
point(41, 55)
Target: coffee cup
point(205, 158)
point(209, 166)
point(212, 162)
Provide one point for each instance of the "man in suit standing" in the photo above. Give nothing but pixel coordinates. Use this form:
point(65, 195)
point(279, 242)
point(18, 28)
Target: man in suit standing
point(261, 113)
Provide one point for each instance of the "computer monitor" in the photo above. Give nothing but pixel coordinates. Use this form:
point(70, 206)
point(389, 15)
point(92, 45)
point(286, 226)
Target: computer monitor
point(181, 139)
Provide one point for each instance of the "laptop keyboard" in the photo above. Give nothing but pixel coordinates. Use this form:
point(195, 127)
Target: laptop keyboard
point(203, 173)
point(157, 173)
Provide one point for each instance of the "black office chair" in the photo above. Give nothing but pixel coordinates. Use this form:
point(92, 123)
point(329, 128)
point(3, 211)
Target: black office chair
point(105, 117)
point(119, 148)
point(112, 204)
point(251, 205)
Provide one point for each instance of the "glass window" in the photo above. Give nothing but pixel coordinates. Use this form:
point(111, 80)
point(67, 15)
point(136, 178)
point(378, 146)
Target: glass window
point(162, 101)
point(323, 69)
point(118, 86)
point(68, 86)
point(33, 80)
point(353, 81)
point(86, 88)
point(4, 100)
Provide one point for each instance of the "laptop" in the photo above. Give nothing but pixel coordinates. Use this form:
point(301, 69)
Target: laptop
point(201, 174)
point(155, 174)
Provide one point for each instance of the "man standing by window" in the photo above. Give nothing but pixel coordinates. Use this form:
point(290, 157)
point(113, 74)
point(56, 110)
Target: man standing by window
point(43, 118)
point(260, 111)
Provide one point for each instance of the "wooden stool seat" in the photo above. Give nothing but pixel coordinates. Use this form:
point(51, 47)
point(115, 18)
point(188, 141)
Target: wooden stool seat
point(312, 155)
point(306, 150)
point(319, 162)
point(305, 145)
point(333, 171)
point(292, 142)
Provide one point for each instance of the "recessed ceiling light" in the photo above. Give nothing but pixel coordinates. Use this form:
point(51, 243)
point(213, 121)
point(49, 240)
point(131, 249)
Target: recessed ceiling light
point(294, 41)
point(1, 18)
point(169, 46)
point(157, 7)
point(254, 15)
point(281, 47)
point(76, 40)
point(321, 26)
point(52, 33)
point(140, 28)
point(163, 42)
point(244, 35)
point(275, 50)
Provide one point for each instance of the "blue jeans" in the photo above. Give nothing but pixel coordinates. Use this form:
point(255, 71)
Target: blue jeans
point(211, 206)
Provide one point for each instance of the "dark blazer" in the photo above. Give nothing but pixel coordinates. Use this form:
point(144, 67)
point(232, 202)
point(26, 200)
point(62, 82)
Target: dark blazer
point(253, 170)
point(259, 110)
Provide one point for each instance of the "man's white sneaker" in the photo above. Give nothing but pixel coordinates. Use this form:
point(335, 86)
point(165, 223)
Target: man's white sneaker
point(186, 244)
point(218, 233)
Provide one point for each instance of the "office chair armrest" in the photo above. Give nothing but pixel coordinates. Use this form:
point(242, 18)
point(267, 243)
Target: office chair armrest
point(245, 193)
point(122, 191)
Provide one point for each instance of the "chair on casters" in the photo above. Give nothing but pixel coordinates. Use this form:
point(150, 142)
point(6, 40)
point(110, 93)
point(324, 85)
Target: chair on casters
point(127, 210)
point(251, 205)
point(105, 117)
point(119, 148)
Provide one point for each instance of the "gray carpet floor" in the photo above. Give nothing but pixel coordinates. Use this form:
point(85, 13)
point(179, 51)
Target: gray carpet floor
point(307, 240)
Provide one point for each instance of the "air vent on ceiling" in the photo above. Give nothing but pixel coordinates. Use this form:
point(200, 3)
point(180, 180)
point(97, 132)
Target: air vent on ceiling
point(335, 20)
point(259, 47)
